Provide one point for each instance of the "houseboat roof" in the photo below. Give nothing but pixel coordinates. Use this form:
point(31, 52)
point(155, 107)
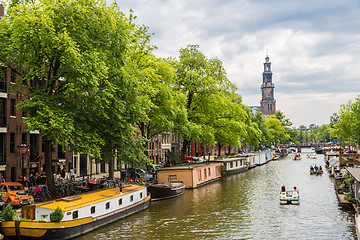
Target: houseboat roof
point(229, 159)
point(82, 200)
point(187, 166)
point(355, 172)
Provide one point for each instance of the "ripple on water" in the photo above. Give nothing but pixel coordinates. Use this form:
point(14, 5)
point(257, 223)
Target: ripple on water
point(244, 206)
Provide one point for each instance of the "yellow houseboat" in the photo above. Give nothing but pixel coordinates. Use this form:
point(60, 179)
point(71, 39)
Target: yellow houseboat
point(82, 213)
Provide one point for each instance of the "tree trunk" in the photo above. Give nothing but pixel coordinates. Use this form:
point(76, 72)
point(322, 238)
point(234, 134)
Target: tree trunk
point(111, 168)
point(219, 149)
point(183, 150)
point(48, 169)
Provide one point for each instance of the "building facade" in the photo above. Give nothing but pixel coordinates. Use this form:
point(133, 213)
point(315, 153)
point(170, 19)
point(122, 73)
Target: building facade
point(267, 103)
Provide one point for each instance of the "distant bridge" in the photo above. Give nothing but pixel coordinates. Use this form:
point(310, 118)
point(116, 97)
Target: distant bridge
point(305, 145)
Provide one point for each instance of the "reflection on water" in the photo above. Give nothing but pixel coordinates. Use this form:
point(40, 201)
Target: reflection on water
point(244, 206)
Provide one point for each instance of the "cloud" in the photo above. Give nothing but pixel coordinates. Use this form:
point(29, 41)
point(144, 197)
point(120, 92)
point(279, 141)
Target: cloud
point(313, 46)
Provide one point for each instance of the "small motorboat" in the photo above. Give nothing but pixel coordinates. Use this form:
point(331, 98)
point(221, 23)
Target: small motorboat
point(290, 197)
point(297, 156)
point(166, 190)
point(317, 170)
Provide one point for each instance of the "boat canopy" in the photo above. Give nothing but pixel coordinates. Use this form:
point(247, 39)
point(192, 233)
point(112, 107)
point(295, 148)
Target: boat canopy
point(333, 161)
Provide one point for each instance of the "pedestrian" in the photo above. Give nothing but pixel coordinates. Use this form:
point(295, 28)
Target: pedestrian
point(2, 179)
point(62, 173)
point(72, 174)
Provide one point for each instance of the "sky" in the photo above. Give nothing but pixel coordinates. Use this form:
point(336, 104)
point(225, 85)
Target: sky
point(314, 47)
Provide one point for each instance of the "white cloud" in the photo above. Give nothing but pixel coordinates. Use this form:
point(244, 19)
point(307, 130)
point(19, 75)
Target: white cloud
point(313, 46)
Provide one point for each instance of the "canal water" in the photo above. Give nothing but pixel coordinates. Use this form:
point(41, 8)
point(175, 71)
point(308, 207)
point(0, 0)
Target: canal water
point(244, 206)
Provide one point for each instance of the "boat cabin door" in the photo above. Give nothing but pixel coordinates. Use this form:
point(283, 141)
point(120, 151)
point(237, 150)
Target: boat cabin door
point(28, 212)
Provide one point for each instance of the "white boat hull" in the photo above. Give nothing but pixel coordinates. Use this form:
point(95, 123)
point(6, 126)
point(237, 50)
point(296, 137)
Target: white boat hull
point(289, 197)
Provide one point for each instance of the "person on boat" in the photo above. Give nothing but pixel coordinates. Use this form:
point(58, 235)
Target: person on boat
point(296, 190)
point(320, 168)
point(283, 189)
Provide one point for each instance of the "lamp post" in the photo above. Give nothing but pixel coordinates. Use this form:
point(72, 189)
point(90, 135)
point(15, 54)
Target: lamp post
point(23, 149)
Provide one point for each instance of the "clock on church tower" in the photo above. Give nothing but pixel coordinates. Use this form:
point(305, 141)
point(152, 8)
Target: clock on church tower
point(267, 102)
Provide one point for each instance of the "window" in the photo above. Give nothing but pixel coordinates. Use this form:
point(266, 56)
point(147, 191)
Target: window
point(12, 142)
point(204, 173)
point(131, 198)
point(24, 114)
point(141, 195)
point(199, 175)
point(13, 76)
point(92, 210)
point(231, 165)
point(236, 163)
point(24, 138)
point(12, 107)
point(3, 74)
point(120, 201)
point(217, 170)
point(107, 205)
point(209, 171)
point(172, 177)
point(75, 214)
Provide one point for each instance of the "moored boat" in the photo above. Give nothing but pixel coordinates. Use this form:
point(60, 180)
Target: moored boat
point(297, 156)
point(233, 165)
point(82, 213)
point(166, 190)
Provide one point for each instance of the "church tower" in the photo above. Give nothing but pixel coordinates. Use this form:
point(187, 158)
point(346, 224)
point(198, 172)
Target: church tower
point(267, 102)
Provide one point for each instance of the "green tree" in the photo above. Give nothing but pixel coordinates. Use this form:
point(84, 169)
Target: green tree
point(163, 103)
point(265, 133)
point(199, 79)
point(229, 119)
point(69, 56)
point(277, 131)
point(343, 127)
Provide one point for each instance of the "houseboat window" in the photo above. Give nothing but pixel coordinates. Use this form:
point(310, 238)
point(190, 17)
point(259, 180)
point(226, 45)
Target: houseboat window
point(141, 195)
point(231, 164)
point(172, 177)
point(217, 171)
point(92, 210)
point(204, 173)
point(236, 163)
point(131, 198)
point(209, 171)
point(75, 214)
point(107, 205)
point(120, 201)
point(199, 173)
